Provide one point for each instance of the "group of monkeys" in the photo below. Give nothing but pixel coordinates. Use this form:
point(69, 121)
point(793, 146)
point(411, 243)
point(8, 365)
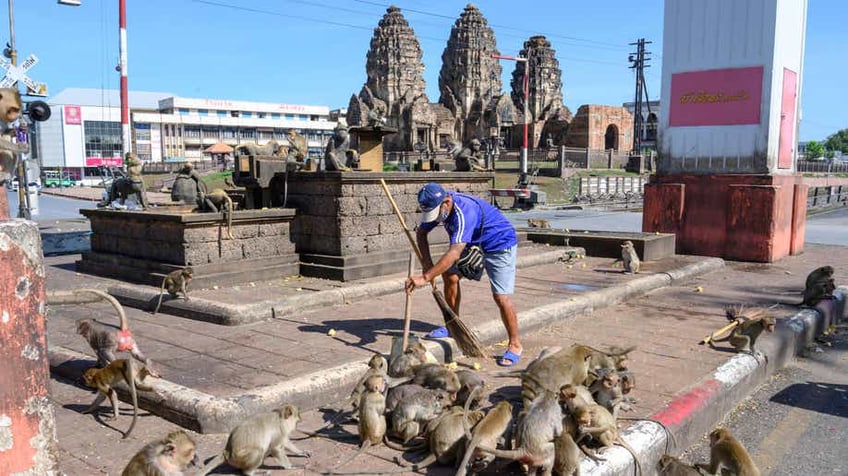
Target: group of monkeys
point(571, 399)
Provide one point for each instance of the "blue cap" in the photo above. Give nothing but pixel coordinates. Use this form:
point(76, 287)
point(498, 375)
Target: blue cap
point(430, 198)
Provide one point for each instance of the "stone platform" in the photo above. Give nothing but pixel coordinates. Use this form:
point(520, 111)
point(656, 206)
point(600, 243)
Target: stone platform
point(649, 246)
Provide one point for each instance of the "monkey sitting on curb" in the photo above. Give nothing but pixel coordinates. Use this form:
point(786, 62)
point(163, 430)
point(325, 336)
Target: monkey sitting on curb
point(818, 286)
point(166, 457)
point(175, 282)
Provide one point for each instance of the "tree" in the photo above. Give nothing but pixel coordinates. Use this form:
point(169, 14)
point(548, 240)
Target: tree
point(838, 141)
point(815, 150)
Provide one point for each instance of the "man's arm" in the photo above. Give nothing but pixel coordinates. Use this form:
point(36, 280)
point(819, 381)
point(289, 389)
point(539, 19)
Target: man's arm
point(445, 262)
point(424, 247)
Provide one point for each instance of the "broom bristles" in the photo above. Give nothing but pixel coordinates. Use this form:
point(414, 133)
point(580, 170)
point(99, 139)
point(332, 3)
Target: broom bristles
point(465, 338)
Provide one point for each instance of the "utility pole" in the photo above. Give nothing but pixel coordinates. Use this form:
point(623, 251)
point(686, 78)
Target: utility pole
point(522, 160)
point(638, 62)
point(122, 67)
point(23, 182)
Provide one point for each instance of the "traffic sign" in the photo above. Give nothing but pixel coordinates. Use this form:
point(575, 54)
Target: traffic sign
point(18, 73)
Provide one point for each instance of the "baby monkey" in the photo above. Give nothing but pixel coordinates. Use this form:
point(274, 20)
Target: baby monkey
point(175, 282)
point(166, 457)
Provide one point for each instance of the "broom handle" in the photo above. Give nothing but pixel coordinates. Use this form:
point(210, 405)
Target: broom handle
point(407, 308)
point(405, 229)
point(720, 332)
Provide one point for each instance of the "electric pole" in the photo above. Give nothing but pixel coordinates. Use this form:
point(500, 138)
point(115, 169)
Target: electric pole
point(638, 62)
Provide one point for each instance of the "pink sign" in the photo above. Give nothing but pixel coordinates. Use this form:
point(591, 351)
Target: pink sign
point(72, 115)
point(104, 161)
point(716, 97)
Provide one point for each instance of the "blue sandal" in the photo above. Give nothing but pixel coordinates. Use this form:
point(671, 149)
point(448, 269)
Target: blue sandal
point(438, 333)
point(510, 357)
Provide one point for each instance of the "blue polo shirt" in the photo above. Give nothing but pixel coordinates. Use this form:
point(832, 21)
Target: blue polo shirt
point(463, 224)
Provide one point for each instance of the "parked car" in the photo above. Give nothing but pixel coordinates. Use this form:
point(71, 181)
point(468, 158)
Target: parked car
point(13, 186)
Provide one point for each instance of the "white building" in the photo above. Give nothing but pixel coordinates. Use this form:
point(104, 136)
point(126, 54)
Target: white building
point(84, 131)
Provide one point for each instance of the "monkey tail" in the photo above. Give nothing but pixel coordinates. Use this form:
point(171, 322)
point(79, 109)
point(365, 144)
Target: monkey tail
point(229, 212)
point(63, 297)
point(129, 376)
point(216, 461)
point(161, 294)
point(466, 407)
point(638, 466)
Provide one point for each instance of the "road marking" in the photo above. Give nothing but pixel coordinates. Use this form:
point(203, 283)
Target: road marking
point(782, 439)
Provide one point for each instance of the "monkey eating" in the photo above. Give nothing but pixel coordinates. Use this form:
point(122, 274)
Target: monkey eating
point(166, 457)
point(10, 110)
point(746, 333)
point(104, 381)
point(728, 454)
point(818, 287)
point(175, 282)
point(257, 437)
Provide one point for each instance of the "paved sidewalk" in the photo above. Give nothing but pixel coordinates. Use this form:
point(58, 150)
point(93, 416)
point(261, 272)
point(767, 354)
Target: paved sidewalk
point(227, 361)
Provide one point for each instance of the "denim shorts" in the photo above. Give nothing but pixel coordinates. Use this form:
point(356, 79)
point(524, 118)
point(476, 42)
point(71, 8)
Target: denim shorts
point(500, 266)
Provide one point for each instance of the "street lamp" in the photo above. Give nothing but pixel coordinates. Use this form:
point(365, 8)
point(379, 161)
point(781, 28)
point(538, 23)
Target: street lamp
point(522, 161)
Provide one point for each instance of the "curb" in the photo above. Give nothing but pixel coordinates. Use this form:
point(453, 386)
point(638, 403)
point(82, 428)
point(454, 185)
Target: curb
point(695, 411)
point(143, 297)
point(207, 413)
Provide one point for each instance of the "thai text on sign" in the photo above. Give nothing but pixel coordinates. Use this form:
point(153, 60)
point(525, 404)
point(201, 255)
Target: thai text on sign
point(716, 97)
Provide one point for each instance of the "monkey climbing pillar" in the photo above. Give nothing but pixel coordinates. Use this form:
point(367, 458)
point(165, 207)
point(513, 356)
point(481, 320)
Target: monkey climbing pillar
point(27, 426)
point(726, 182)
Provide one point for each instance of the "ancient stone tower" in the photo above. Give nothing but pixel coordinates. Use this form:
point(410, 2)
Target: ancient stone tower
point(395, 83)
point(545, 87)
point(469, 77)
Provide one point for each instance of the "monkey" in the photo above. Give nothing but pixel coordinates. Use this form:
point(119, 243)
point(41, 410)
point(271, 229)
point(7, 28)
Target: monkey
point(104, 381)
point(107, 339)
point(413, 413)
point(257, 437)
point(376, 366)
point(746, 333)
point(468, 381)
point(670, 466)
point(818, 286)
point(728, 454)
point(616, 358)
point(402, 365)
point(218, 200)
point(566, 451)
point(372, 421)
point(228, 182)
point(597, 422)
point(175, 282)
point(574, 396)
point(253, 149)
point(10, 110)
point(537, 430)
point(436, 376)
point(566, 366)
point(401, 392)
point(168, 456)
point(486, 434)
point(538, 223)
point(630, 258)
point(607, 393)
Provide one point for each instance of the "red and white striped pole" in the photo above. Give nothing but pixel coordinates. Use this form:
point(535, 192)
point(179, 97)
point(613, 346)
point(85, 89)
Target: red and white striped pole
point(125, 104)
point(522, 160)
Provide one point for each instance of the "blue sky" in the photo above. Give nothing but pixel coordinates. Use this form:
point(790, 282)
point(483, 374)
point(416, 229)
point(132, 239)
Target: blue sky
point(313, 51)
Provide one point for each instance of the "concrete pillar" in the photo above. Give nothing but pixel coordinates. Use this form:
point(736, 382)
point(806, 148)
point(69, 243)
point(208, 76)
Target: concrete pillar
point(27, 426)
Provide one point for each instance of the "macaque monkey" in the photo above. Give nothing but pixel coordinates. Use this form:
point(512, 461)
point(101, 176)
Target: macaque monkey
point(486, 434)
point(607, 393)
point(597, 422)
point(175, 282)
point(436, 376)
point(818, 286)
point(257, 437)
point(166, 457)
point(372, 421)
point(574, 396)
point(253, 149)
point(746, 333)
point(670, 466)
point(104, 381)
point(106, 340)
point(630, 258)
point(468, 381)
point(414, 412)
point(10, 110)
point(566, 451)
point(566, 366)
point(402, 365)
point(727, 454)
point(537, 431)
point(217, 200)
point(399, 393)
point(538, 223)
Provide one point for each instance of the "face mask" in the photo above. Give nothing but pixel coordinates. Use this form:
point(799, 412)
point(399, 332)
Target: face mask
point(442, 217)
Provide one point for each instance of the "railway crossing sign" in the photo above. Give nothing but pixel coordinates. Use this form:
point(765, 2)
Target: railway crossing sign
point(18, 73)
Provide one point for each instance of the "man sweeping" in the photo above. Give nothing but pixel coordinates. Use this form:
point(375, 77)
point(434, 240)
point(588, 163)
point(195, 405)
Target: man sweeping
point(480, 238)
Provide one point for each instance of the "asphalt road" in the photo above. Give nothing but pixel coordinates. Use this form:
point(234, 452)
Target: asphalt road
point(51, 207)
point(798, 422)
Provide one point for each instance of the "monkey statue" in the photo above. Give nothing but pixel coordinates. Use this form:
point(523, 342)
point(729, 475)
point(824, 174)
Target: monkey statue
point(253, 149)
point(188, 185)
point(131, 185)
point(338, 152)
point(468, 158)
point(10, 111)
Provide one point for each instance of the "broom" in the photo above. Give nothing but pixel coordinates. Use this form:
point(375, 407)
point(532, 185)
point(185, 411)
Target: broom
point(462, 334)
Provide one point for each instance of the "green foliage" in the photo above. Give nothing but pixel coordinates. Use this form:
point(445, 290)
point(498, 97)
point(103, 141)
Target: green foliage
point(216, 179)
point(838, 141)
point(815, 150)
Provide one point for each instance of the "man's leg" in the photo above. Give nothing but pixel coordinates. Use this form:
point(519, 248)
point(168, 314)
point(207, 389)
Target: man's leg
point(453, 292)
point(510, 322)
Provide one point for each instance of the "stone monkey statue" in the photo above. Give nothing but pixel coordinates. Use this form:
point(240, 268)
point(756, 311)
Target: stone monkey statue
point(338, 151)
point(133, 184)
point(188, 185)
